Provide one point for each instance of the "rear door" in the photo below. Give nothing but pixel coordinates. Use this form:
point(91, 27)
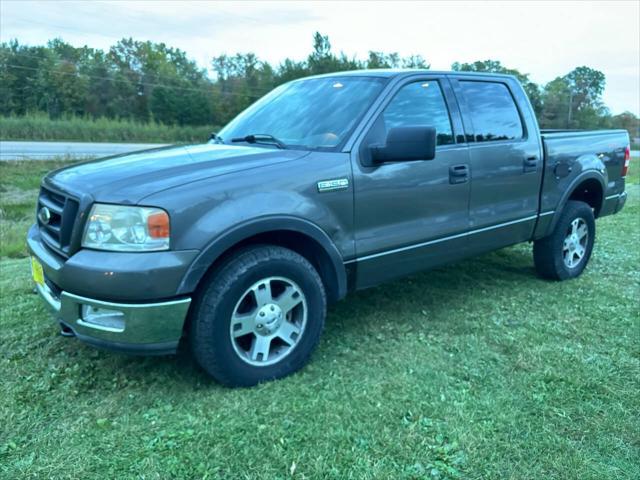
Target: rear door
point(410, 215)
point(505, 161)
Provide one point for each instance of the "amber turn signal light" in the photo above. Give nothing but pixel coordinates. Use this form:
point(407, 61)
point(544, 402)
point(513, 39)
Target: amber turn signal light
point(158, 225)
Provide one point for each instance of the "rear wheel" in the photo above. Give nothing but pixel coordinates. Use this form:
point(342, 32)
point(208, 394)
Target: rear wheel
point(259, 317)
point(565, 253)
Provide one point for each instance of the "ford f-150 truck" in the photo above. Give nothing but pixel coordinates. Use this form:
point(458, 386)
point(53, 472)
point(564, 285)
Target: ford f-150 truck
point(326, 185)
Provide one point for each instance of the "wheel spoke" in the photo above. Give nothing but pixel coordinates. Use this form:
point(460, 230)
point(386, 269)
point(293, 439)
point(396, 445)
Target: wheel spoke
point(289, 299)
point(567, 257)
point(242, 324)
point(262, 292)
point(582, 231)
point(288, 331)
point(260, 348)
point(259, 317)
point(574, 226)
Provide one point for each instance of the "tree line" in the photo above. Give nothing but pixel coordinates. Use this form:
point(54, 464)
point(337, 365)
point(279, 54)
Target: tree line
point(152, 82)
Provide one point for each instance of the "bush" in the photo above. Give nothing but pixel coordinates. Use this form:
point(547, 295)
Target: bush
point(41, 127)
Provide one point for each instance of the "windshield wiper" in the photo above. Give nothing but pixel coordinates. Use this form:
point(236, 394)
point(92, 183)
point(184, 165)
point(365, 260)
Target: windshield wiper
point(260, 138)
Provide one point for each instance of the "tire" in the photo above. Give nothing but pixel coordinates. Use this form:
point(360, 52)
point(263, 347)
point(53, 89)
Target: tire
point(557, 256)
point(258, 317)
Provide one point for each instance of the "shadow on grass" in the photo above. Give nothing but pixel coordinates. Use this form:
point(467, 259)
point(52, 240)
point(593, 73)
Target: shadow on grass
point(435, 291)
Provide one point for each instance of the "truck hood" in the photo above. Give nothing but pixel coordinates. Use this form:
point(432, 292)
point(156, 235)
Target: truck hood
point(128, 178)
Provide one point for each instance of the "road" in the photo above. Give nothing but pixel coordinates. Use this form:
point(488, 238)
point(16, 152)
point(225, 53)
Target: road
point(46, 150)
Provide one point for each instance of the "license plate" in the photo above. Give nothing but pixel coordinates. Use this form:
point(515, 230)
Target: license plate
point(36, 271)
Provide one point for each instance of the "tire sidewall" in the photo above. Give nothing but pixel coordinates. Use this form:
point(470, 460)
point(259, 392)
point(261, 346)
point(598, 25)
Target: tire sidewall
point(217, 326)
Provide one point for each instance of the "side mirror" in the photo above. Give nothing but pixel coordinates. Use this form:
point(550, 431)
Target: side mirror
point(406, 143)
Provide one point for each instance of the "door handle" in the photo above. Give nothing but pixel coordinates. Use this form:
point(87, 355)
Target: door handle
point(530, 164)
point(458, 174)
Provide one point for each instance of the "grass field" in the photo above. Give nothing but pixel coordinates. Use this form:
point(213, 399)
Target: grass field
point(42, 128)
point(475, 370)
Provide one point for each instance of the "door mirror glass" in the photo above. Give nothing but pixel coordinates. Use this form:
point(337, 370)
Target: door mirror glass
point(406, 144)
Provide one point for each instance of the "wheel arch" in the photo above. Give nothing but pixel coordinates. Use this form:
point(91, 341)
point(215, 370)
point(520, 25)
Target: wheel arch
point(299, 235)
point(588, 187)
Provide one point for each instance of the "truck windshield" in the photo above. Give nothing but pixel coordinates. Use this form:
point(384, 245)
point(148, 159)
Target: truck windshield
point(317, 113)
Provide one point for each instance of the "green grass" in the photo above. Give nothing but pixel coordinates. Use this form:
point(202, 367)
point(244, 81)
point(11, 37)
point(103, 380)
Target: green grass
point(474, 370)
point(41, 127)
point(19, 184)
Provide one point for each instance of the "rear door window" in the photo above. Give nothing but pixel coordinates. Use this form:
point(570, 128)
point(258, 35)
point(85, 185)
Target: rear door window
point(493, 111)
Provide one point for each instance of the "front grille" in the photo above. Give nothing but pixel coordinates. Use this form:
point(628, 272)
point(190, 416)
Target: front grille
point(63, 210)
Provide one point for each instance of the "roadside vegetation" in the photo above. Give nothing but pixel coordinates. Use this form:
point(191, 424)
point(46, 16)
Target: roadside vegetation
point(39, 127)
point(474, 370)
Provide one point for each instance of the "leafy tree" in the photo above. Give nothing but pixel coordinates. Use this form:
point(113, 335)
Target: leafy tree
point(627, 121)
point(585, 86)
point(321, 60)
point(291, 70)
point(382, 60)
point(146, 81)
point(556, 97)
point(574, 100)
point(241, 80)
point(415, 61)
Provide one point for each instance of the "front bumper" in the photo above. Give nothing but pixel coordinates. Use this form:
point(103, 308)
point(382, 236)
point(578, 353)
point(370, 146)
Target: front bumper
point(118, 276)
point(114, 301)
point(139, 328)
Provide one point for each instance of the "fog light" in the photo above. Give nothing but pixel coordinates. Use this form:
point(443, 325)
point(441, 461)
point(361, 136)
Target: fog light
point(103, 318)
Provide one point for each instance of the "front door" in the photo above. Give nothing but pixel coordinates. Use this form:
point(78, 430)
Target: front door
point(411, 215)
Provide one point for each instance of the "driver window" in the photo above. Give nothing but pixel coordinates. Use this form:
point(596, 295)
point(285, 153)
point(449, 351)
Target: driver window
point(420, 103)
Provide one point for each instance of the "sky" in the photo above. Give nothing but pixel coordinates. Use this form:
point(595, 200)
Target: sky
point(544, 39)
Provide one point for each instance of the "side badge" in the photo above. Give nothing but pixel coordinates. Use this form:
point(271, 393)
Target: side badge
point(332, 185)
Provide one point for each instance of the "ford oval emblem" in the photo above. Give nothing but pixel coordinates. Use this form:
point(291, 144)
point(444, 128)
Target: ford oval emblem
point(44, 215)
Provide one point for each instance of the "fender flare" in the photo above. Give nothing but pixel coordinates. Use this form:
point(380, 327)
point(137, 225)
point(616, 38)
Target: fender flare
point(591, 174)
point(238, 233)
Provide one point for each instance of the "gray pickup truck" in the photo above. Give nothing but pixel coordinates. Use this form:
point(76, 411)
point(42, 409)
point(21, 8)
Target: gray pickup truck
point(326, 185)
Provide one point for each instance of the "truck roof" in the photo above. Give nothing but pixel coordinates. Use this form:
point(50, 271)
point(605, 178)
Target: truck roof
point(400, 72)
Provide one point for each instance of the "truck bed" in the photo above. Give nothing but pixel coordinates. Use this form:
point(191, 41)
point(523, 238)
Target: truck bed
point(559, 133)
point(568, 152)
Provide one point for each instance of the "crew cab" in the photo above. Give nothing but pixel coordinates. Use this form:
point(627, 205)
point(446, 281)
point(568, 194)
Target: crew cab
point(326, 185)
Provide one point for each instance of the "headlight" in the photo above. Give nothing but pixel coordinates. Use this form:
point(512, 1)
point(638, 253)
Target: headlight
point(126, 229)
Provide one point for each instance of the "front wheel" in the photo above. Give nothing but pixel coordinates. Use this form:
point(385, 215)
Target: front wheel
point(565, 253)
point(259, 317)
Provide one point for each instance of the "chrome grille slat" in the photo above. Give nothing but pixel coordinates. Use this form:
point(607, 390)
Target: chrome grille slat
point(54, 207)
point(51, 241)
point(56, 232)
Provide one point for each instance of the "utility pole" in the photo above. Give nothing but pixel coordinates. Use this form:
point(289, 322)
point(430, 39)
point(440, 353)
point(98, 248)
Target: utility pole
point(570, 108)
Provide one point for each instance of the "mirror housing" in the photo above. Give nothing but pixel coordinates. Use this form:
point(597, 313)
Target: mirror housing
point(405, 144)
